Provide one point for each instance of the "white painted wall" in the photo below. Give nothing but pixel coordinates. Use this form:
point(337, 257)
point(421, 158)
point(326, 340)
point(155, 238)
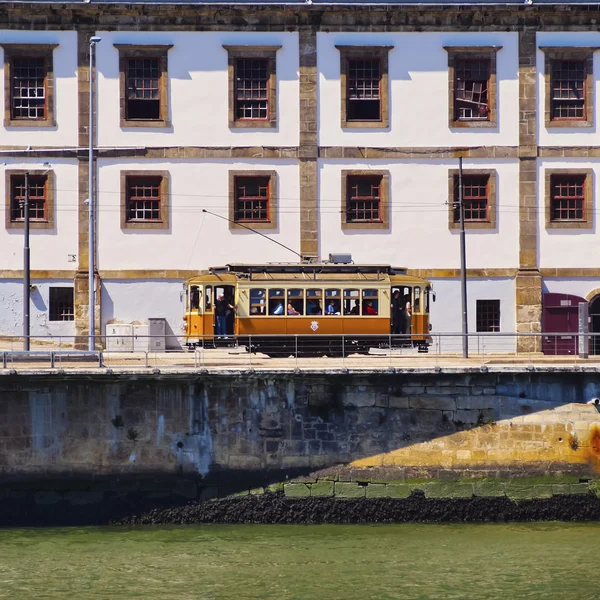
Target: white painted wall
point(195, 240)
point(567, 136)
point(418, 73)
point(576, 248)
point(139, 300)
point(11, 310)
point(418, 236)
point(50, 248)
point(446, 314)
point(577, 286)
point(198, 84)
point(65, 91)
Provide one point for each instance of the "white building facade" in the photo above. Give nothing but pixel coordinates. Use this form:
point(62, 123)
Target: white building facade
point(328, 129)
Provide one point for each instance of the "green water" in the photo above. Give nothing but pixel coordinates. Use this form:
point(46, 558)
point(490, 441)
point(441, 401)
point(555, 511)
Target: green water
point(303, 562)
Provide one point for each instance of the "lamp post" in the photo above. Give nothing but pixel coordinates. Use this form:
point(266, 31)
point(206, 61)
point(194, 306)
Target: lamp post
point(463, 263)
point(91, 205)
point(26, 266)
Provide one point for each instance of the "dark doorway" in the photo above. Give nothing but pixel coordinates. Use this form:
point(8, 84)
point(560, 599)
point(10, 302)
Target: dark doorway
point(595, 325)
point(560, 317)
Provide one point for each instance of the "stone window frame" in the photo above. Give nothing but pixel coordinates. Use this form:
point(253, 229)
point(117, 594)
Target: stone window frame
point(235, 52)
point(585, 53)
point(473, 52)
point(353, 51)
point(492, 220)
point(273, 223)
point(588, 222)
point(385, 199)
point(50, 198)
point(160, 51)
point(45, 51)
point(164, 200)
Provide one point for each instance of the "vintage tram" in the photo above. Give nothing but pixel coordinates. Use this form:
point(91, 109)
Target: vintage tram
point(309, 308)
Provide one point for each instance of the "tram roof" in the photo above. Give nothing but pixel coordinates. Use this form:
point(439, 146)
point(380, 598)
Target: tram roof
point(308, 268)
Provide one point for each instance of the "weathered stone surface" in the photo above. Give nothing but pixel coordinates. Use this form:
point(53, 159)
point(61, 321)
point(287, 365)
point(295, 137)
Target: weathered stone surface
point(448, 490)
point(296, 490)
point(347, 489)
point(322, 488)
point(399, 490)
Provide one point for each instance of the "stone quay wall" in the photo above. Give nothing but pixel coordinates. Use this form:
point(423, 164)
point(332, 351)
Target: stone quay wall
point(77, 439)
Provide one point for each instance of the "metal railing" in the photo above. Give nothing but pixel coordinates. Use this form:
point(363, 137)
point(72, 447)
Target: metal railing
point(310, 352)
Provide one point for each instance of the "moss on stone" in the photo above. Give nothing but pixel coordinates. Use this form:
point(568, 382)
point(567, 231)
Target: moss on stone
point(448, 490)
point(489, 488)
point(296, 490)
point(322, 488)
point(349, 489)
point(399, 490)
point(376, 490)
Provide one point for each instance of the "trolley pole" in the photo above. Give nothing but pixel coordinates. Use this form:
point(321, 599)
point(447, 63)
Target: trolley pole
point(26, 266)
point(463, 264)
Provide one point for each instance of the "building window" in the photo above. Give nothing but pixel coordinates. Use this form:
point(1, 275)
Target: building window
point(28, 85)
point(144, 200)
point(253, 199)
point(365, 202)
point(488, 316)
point(252, 72)
point(475, 198)
point(471, 86)
point(472, 100)
point(252, 88)
point(364, 86)
point(41, 199)
point(569, 86)
point(61, 304)
point(569, 198)
point(37, 198)
point(479, 198)
point(144, 87)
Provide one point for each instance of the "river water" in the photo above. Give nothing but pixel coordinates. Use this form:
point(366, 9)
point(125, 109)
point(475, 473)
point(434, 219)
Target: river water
point(320, 562)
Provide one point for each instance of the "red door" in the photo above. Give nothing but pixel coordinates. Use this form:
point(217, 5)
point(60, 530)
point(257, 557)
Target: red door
point(560, 316)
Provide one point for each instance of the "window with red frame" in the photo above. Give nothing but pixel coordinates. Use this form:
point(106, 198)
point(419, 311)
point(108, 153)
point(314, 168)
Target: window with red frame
point(37, 198)
point(567, 197)
point(28, 87)
point(475, 198)
point(143, 89)
point(252, 89)
point(488, 316)
point(567, 87)
point(471, 89)
point(252, 196)
point(143, 198)
point(363, 94)
point(363, 199)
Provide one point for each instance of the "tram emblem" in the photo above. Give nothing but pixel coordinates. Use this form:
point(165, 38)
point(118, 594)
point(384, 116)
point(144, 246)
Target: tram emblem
point(314, 325)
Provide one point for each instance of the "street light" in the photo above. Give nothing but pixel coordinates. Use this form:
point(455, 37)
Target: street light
point(91, 205)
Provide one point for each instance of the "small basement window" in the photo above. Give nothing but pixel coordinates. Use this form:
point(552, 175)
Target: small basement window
point(62, 304)
point(488, 316)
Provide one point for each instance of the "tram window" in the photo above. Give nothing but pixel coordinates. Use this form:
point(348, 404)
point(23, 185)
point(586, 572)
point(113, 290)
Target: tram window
point(370, 304)
point(208, 298)
point(257, 302)
point(314, 302)
point(417, 302)
point(195, 298)
point(276, 302)
point(333, 302)
point(295, 305)
point(352, 302)
point(427, 299)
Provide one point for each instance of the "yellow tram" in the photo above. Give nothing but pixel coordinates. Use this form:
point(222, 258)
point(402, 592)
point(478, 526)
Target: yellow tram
point(324, 307)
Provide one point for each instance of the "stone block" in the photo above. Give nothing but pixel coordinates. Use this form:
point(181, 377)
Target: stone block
point(433, 403)
point(296, 490)
point(274, 488)
point(489, 488)
point(259, 491)
point(359, 399)
point(474, 402)
point(322, 489)
point(377, 490)
point(399, 490)
point(348, 489)
point(399, 402)
point(448, 490)
point(579, 488)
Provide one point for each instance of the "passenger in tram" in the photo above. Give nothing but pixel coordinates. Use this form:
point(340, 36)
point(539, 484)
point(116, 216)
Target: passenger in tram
point(398, 320)
point(291, 310)
point(333, 308)
point(356, 308)
point(278, 310)
point(368, 308)
point(223, 308)
point(407, 315)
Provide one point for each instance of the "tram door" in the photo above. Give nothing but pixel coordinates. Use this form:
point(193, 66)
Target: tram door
point(228, 292)
point(595, 325)
point(400, 321)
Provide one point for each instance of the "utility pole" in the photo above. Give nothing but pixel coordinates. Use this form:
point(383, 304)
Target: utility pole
point(91, 206)
point(26, 267)
point(463, 263)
